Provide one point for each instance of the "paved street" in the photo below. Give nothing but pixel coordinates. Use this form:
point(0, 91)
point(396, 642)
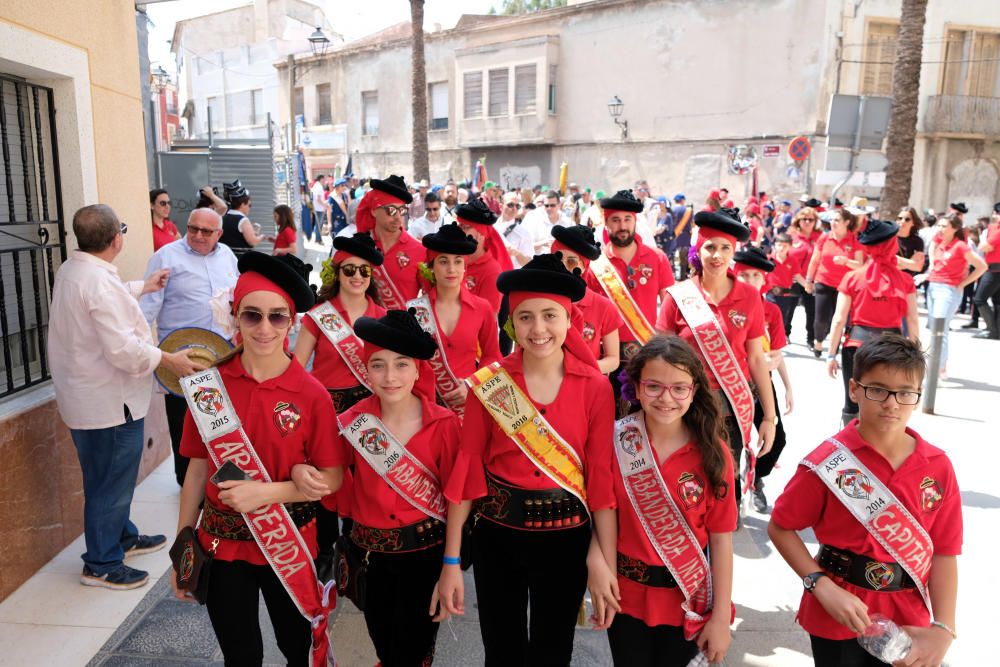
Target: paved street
point(163, 631)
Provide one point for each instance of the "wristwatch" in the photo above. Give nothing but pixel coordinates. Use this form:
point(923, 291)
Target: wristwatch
point(809, 581)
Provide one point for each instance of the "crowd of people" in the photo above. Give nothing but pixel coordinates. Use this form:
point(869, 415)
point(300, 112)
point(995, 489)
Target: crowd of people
point(564, 391)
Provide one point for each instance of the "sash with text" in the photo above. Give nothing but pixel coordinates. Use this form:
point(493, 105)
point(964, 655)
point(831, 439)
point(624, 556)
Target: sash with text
point(342, 337)
point(392, 298)
point(444, 379)
point(611, 283)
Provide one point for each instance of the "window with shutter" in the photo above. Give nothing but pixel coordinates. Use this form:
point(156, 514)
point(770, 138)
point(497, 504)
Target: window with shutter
point(472, 85)
point(437, 98)
point(499, 87)
point(324, 110)
point(524, 89)
point(369, 113)
point(880, 56)
point(983, 80)
point(954, 57)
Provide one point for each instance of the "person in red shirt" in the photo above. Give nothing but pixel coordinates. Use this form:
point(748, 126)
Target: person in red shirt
point(164, 231)
point(804, 237)
point(948, 275)
point(600, 322)
point(532, 532)
point(989, 286)
point(635, 596)
point(754, 222)
point(400, 540)
point(751, 267)
point(784, 280)
point(381, 212)
point(875, 299)
point(849, 579)
point(491, 256)
point(466, 323)
point(284, 221)
point(739, 311)
point(263, 383)
point(836, 252)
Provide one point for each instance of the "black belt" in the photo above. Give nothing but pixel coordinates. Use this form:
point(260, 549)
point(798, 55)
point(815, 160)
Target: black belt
point(641, 572)
point(232, 526)
point(864, 572)
point(526, 509)
point(413, 537)
point(860, 334)
point(344, 399)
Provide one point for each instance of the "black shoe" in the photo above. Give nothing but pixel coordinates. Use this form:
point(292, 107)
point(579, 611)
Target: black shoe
point(122, 578)
point(146, 544)
point(970, 325)
point(987, 335)
point(759, 499)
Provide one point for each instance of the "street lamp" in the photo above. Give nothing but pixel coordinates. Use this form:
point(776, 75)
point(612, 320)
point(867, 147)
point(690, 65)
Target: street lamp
point(159, 78)
point(319, 42)
point(615, 108)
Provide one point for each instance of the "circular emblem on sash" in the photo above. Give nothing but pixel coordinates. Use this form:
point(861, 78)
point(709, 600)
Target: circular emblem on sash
point(423, 316)
point(287, 418)
point(690, 489)
point(879, 575)
point(330, 321)
point(374, 441)
point(208, 400)
point(930, 494)
point(854, 483)
point(503, 399)
point(630, 440)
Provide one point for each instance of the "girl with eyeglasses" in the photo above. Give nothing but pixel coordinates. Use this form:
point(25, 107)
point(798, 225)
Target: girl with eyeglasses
point(285, 416)
point(164, 231)
point(676, 440)
point(327, 336)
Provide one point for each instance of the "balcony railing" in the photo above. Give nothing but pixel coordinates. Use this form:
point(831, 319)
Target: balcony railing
point(958, 114)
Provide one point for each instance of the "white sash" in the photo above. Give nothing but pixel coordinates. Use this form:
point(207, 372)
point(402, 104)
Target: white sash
point(341, 336)
point(397, 467)
point(444, 378)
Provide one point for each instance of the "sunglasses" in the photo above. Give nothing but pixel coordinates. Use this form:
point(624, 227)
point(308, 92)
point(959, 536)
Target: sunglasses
point(276, 318)
point(432, 210)
point(200, 230)
point(350, 269)
point(393, 210)
point(630, 272)
point(679, 392)
point(808, 219)
point(164, 203)
point(573, 261)
point(551, 205)
point(123, 229)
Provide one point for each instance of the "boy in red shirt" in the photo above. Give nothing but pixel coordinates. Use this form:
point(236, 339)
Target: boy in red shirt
point(886, 509)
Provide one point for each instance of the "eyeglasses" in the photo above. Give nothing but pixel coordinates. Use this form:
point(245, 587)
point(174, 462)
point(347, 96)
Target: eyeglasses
point(200, 230)
point(510, 205)
point(252, 318)
point(881, 395)
point(164, 203)
point(679, 392)
point(393, 210)
point(573, 261)
point(808, 219)
point(123, 229)
point(350, 269)
point(551, 205)
point(435, 209)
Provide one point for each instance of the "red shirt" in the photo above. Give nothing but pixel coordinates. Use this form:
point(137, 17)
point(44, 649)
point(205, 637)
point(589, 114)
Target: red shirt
point(741, 315)
point(644, 276)
point(784, 273)
point(475, 341)
point(370, 500)
point(401, 264)
point(950, 264)
point(993, 238)
point(925, 483)
point(600, 317)
point(481, 279)
point(285, 239)
point(774, 326)
point(583, 414)
point(311, 440)
point(662, 606)
point(870, 311)
point(328, 366)
point(802, 250)
point(161, 237)
point(829, 247)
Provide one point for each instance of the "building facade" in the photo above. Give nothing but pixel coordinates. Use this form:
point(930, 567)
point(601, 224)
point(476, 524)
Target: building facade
point(698, 81)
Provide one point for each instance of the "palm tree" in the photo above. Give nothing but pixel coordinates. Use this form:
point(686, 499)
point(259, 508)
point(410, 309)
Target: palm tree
point(902, 134)
point(421, 160)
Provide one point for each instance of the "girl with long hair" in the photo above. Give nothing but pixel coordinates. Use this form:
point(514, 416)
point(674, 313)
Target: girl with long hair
point(911, 247)
point(284, 221)
point(804, 237)
point(836, 252)
point(678, 437)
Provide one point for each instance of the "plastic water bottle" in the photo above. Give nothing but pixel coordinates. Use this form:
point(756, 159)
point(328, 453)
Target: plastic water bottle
point(885, 640)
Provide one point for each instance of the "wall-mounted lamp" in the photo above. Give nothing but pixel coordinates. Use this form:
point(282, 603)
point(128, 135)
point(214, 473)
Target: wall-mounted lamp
point(615, 108)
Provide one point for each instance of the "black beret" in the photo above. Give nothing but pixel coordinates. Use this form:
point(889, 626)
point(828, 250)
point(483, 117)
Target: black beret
point(283, 273)
point(579, 239)
point(451, 240)
point(233, 190)
point(399, 331)
point(393, 185)
point(754, 257)
point(476, 211)
point(877, 231)
point(545, 274)
point(360, 245)
point(960, 207)
point(724, 220)
point(623, 200)
point(812, 202)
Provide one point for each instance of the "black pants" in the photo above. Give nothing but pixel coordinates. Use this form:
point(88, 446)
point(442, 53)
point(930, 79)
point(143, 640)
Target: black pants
point(232, 607)
point(808, 303)
point(735, 442)
point(396, 604)
point(327, 531)
point(786, 304)
point(987, 292)
point(176, 411)
point(846, 371)
point(841, 653)
point(635, 644)
point(515, 569)
point(765, 464)
point(826, 303)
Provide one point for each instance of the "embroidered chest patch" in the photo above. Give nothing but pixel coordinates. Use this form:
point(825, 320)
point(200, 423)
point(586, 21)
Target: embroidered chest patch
point(403, 259)
point(737, 318)
point(691, 489)
point(588, 331)
point(930, 494)
point(287, 418)
point(470, 282)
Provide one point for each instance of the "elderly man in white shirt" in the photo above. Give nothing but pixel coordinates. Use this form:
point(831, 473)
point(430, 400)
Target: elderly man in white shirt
point(102, 356)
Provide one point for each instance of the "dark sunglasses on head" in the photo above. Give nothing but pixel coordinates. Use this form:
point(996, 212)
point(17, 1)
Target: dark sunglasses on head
point(123, 229)
point(252, 318)
point(350, 269)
